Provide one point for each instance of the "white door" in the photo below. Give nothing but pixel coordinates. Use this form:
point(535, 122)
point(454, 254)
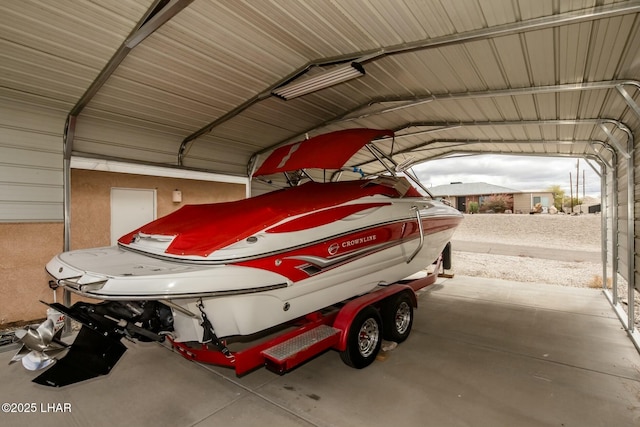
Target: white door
point(131, 208)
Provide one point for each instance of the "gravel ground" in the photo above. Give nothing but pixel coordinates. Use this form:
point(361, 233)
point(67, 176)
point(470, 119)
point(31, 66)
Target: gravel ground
point(548, 231)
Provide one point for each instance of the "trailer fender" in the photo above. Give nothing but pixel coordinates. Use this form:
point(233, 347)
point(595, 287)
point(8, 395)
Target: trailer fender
point(346, 315)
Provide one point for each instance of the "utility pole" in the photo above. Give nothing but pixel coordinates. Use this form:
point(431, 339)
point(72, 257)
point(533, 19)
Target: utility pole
point(571, 192)
point(577, 181)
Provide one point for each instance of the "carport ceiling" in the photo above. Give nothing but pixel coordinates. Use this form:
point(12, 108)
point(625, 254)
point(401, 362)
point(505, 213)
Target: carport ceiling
point(547, 77)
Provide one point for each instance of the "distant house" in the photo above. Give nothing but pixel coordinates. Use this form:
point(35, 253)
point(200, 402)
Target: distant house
point(589, 205)
point(461, 194)
point(526, 201)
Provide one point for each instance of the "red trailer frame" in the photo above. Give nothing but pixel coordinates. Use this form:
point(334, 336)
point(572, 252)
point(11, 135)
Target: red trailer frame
point(313, 334)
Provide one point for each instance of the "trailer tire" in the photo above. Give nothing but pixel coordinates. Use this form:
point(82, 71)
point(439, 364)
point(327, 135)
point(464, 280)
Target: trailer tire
point(397, 317)
point(364, 339)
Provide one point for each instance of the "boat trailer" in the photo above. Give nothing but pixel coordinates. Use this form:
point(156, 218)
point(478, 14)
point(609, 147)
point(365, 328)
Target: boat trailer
point(355, 328)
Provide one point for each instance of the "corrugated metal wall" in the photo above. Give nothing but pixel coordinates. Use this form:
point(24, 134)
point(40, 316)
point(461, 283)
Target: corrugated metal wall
point(31, 159)
point(98, 137)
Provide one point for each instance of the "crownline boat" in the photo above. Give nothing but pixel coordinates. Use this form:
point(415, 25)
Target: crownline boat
point(211, 271)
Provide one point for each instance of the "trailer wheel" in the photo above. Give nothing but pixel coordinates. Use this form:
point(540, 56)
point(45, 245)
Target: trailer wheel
point(397, 318)
point(364, 339)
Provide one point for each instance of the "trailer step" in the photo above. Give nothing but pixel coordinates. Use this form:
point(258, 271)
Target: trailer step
point(284, 356)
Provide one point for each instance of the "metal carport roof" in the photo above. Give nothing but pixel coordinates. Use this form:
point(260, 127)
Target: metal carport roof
point(190, 82)
point(533, 76)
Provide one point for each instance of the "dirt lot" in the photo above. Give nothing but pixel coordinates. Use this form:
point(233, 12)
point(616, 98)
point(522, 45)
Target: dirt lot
point(547, 231)
point(553, 231)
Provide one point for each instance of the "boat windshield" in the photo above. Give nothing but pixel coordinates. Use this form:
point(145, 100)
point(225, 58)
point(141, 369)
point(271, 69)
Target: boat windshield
point(324, 158)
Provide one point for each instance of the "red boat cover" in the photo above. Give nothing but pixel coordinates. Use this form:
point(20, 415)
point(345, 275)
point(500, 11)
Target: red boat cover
point(202, 229)
point(328, 151)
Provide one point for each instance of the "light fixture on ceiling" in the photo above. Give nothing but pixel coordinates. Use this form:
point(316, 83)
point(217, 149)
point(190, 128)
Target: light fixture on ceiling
point(320, 81)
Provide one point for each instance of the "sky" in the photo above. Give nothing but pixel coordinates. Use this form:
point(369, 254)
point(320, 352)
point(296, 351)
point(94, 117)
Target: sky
point(525, 173)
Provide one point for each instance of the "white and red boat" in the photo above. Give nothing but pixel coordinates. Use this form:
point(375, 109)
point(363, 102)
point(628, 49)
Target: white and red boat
point(206, 272)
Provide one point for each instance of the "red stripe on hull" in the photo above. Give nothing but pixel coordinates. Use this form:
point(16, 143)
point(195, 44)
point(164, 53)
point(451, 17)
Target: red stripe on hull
point(319, 257)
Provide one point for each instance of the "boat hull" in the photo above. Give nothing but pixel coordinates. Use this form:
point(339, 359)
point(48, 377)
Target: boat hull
point(250, 313)
point(245, 297)
point(255, 263)
point(204, 273)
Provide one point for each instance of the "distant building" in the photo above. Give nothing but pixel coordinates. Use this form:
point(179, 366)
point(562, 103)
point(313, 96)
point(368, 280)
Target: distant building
point(461, 194)
point(526, 201)
point(589, 205)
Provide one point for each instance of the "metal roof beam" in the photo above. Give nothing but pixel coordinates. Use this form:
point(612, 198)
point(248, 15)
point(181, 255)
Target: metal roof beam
point(616, 142)
point(413, 101)
point(445, 126)
point(536, 90)
point(628, 98)
point(480, 153)
point(490, 141)
point(467, 142)
point(157, 15)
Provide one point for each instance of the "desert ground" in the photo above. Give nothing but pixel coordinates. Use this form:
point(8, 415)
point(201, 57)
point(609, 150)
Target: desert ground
point(558, 232)
point(554, 232)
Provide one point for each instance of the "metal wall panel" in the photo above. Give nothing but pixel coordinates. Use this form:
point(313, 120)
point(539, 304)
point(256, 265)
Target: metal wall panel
point(623, 215)
point(125, 141)
point(31, 163)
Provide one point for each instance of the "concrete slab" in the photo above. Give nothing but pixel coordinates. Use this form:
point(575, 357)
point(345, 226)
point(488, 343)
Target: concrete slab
point(482, 352)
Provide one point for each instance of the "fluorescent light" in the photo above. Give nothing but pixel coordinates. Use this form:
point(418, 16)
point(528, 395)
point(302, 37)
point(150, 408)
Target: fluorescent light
point(321, 81)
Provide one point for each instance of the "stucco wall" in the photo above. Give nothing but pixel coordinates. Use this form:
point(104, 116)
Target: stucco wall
point(27, 247)
point(91, 198)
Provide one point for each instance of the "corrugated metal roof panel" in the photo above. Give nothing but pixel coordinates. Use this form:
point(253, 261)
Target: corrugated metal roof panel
point(55, 50)
point(540, 51)
point(609, 40)
point(513, 60)
point(215, 56)
point(228, 40)
point(573, 52)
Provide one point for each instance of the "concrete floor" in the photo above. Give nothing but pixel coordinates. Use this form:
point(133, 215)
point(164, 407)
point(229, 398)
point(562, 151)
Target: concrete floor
point(482, 352)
